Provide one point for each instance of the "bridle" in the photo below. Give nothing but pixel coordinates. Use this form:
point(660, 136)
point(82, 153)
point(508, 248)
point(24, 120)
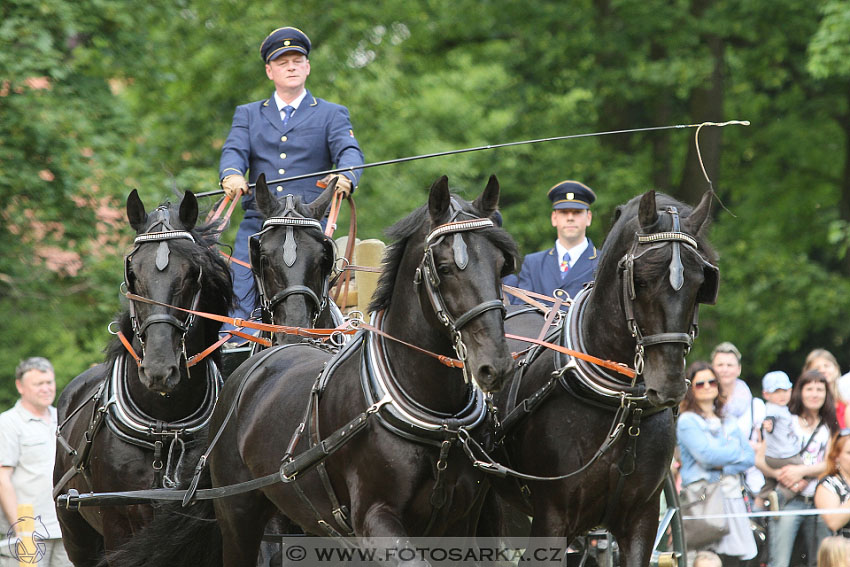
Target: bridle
point(166, 233)
point(707, 293)
point(427, 273)
point(291, 219)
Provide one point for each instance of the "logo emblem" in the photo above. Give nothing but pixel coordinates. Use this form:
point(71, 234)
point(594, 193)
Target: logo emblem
point(29, 548)
point(571, 196)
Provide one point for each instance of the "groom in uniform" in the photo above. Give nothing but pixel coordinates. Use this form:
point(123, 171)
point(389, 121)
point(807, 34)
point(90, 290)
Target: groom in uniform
point(572, 261)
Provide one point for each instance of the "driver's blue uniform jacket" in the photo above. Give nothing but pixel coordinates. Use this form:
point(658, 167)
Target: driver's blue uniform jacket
point(317, 137)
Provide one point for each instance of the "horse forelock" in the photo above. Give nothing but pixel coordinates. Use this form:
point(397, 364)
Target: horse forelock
point(279, 206)
point(417, 224)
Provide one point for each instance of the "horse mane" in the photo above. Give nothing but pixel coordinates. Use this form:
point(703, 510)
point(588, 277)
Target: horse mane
point(626, 224)
point(217, 294)
point(412, 225)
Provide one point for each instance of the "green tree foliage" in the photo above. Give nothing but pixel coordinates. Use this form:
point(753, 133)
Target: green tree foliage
point(101, 96)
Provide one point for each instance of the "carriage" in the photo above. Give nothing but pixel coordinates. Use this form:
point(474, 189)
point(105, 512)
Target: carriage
point(431, 299)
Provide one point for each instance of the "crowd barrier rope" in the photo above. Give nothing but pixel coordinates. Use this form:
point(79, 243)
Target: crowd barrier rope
point(769, 514)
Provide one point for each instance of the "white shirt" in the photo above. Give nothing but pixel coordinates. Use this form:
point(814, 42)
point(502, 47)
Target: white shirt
point(28, 444)
point(575, 251)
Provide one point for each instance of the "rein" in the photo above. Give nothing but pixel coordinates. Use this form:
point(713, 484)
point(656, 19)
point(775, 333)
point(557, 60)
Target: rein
point(351, 328)
point(609, 364)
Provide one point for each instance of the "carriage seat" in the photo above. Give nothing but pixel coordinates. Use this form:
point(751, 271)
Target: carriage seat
point(368, 252)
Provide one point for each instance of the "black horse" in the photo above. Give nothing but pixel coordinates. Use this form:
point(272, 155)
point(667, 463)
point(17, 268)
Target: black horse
point(129, 424)
point(293, 262)
point(608, 440)
point(387, 414)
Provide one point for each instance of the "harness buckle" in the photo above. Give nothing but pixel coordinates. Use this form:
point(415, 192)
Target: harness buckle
point(617, 430)
point(374, 408)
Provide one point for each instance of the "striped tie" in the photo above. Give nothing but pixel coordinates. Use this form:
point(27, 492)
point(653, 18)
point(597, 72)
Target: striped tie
point(287, 112)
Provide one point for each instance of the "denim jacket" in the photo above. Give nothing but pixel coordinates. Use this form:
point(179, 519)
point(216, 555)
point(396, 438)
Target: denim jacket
point(710, 449)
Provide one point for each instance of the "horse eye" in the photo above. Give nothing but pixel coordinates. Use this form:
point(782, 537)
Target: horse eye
point(444, 269)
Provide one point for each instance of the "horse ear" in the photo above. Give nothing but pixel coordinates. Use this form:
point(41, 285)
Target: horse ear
point(488, 201)
point(189, 210)
point(695, 221)
point(136, 211)
point(439, 200)
point(265, 200)
point(317, 208)
point(618, 212)
point(647, 213)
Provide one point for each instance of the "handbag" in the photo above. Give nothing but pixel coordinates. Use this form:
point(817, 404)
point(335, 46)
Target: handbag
point(703, 498)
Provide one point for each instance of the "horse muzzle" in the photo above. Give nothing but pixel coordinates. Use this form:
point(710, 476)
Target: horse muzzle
point(493, 374)
point(160, 379)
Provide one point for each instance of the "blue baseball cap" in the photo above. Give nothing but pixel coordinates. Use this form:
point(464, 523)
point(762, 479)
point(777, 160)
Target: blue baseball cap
point(775, 380)
point(282, 40)
point(571, 195)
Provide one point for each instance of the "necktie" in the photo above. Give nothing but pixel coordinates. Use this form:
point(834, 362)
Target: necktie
point(565, 265)
point(287, 112)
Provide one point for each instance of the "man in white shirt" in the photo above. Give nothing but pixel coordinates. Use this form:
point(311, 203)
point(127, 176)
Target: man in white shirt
point(27, 453)
point(747, 411)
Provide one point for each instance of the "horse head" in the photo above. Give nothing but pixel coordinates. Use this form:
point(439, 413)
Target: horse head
point(292, 259)
point(664, 270)
point(170, 264)
point(458, 259)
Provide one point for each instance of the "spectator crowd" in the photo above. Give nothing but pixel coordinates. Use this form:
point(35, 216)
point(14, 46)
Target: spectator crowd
point(784, 455)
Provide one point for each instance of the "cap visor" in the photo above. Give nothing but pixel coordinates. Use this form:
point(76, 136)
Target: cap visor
point(571, 205)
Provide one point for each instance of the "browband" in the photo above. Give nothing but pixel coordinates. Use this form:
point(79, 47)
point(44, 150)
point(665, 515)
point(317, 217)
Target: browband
point(163, 235)
point(460, 226)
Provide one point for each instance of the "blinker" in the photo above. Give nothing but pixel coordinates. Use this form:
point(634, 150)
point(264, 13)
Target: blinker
point(460, 252)
point(289, 254)
point(677, 271)
point(162, 252)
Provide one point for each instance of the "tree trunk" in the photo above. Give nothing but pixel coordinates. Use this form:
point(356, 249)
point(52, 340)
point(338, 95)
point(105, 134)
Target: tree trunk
point(706, 105)
point(844, 200)
point(661, 114)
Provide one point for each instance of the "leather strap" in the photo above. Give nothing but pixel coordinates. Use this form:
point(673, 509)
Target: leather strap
point(610, 365)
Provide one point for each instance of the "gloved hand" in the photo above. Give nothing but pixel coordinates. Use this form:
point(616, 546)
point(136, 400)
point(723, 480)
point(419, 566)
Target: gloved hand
point(343, 183)
point(233, 183)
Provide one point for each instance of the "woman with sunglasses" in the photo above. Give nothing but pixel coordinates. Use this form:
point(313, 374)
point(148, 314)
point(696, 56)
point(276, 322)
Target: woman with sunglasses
point(833, 490)
point(714, 449)
point(814, 422)
point(825, 362)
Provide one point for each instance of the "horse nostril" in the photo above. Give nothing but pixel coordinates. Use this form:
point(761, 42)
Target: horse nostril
point(488, 378)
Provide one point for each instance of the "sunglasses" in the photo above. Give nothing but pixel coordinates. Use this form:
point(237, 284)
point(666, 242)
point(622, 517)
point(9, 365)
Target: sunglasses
point(705, 384)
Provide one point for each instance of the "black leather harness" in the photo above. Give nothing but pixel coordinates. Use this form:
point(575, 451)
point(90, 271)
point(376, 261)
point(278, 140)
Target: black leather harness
point(114, 407)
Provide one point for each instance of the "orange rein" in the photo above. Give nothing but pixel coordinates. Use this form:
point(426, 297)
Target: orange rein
point(350, 328)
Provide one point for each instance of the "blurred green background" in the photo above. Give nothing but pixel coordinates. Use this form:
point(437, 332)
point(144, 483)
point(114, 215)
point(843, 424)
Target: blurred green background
point(98, 97)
